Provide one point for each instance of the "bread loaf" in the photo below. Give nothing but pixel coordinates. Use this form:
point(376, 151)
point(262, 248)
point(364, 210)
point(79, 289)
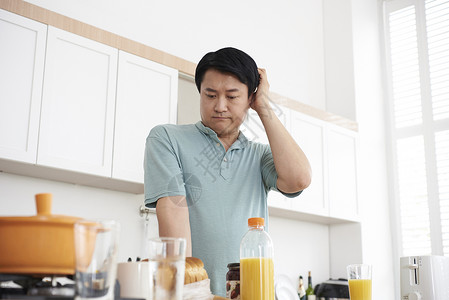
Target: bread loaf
point(194, 270)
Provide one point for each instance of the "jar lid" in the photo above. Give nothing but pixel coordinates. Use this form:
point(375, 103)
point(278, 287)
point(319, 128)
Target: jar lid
point(233, 265)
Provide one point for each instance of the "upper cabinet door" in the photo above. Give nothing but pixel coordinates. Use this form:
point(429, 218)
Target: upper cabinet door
point(253, 129)
point(252, 126)
point(77, 116)
point(309, 134)
point(22, 57)
point(275, 199)
point(342, 152)
point(146, 96)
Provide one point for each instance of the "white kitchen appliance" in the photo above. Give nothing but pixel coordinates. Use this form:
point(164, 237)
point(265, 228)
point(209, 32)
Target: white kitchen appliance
point(424, 277)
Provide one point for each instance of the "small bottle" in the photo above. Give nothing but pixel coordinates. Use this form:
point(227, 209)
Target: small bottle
point(301, 290)
point(233, 281)
point(256, 263)
point(310, 295)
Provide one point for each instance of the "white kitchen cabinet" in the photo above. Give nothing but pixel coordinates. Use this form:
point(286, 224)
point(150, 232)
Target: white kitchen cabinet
point(342, 169)
point(253, 128)
point(309, 133)
point(275, 199)
point(22, 57)
point(278, 200)
point(332, 152)
point(77, 115)
point(146, 96)
point(254, 131)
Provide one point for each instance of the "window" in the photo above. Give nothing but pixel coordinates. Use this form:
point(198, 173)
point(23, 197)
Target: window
point(417, 47)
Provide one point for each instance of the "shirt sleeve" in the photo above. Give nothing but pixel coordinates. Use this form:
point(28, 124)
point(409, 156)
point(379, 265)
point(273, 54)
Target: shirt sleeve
point(163, 174)
point(269, 174)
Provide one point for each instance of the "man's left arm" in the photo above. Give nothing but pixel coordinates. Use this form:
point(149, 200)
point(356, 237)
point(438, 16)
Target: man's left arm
point(292, 165)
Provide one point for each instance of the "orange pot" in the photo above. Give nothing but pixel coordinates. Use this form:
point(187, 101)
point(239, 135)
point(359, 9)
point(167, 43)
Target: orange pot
point(41, 244)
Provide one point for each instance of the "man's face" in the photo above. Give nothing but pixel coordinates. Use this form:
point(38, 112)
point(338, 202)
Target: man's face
point(224, 102)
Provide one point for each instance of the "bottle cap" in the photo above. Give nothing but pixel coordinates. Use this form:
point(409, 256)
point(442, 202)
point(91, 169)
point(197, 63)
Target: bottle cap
point(256, 222)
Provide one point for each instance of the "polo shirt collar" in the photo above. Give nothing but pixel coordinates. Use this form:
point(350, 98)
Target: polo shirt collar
point(241, 141)
point(205, 129)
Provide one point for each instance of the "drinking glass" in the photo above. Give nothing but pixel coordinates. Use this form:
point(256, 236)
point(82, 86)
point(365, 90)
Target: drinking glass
point(359, 277)
point(167, 265)
point(96, 246)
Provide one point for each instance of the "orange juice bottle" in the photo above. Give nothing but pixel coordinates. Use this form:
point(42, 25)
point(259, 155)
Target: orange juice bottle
point(256, 263)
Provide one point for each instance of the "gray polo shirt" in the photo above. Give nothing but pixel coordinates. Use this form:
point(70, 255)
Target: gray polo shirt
point(223, 188)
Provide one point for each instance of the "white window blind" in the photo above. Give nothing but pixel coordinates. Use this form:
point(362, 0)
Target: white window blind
point(437, 18)
point(404, 55)
point(413, 196)
point(442, 153)
point(417, 40)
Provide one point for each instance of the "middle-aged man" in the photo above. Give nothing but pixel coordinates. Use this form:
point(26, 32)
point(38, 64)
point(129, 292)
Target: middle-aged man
point(207, 179)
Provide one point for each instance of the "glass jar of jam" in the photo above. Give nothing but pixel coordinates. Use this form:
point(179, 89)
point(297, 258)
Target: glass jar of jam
point(233, 281)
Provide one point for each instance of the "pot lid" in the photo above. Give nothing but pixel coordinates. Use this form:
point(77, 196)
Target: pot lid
point(44, 215)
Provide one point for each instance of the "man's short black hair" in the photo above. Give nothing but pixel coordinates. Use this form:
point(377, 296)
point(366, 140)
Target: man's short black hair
point(229, 60)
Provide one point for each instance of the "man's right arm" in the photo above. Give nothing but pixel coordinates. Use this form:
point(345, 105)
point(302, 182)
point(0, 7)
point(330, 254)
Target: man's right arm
point(173, 219)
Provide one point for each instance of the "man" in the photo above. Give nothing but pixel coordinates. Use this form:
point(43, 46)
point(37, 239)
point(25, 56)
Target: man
point(207, 179)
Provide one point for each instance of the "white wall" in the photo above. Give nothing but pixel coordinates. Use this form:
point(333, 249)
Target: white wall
point(17, 199)
point(339, 58)
point(300, 247)
point(286, 37)
point(376, 237)
point(283, 36)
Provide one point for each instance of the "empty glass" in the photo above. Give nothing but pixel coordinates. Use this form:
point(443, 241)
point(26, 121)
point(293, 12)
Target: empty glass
point(167, 265)
point(96, 246)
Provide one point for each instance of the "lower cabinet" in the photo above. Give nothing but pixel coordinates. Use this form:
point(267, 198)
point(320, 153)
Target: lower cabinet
point(146, 96)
